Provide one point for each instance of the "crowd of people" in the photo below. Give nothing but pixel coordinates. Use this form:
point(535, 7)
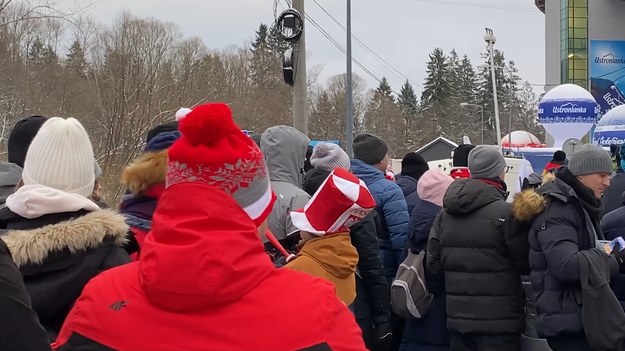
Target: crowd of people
point(223, 241)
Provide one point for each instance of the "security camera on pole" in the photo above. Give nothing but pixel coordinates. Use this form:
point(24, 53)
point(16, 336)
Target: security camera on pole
point(291, 26)
point(490, 40)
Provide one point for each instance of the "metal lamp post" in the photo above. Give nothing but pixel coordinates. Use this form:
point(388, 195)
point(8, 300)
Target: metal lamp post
point(349, 119)
point(466, 104)
point(490, 40)
point(511, 98)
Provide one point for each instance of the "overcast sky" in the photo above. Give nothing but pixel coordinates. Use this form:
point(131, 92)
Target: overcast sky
point(402, 32)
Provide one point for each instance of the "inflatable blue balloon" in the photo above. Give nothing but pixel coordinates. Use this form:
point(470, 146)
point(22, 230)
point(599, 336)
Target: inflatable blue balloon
point(568, 111)
point(611, 128)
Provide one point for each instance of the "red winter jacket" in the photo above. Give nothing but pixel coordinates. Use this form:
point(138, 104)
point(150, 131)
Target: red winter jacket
point(205, 283)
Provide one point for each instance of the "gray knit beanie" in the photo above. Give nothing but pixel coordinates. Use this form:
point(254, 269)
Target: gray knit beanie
point(486, 162)
point(590, 159)
point(328, 157)
point(369, 149)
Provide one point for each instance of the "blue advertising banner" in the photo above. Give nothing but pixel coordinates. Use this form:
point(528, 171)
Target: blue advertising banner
point(605, 138)
point(568, 111)
point(607, 73)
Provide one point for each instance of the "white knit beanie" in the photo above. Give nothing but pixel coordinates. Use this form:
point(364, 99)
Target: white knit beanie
point(61, 157)
point(328, 157)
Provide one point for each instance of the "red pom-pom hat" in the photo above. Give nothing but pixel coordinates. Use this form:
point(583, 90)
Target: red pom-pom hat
point(214, 151)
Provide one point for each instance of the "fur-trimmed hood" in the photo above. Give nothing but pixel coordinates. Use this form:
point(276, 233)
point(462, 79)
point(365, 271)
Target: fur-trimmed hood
point(85, 232)
point(146, 170)
point(530, 203)
point(527, 205)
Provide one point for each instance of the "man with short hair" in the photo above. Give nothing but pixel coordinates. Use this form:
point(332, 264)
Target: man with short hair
point(471, 244)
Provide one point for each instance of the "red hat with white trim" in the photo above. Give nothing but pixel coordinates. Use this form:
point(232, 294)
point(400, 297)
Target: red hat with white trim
point(341, 201)
point(212, 150)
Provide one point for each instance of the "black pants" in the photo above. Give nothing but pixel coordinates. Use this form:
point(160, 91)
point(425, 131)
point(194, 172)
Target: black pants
point(484, 342)
point(569, 342)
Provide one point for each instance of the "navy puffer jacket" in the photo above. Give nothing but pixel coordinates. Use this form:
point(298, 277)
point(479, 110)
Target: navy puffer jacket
point(408, 186)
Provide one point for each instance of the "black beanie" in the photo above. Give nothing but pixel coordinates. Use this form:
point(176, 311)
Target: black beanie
point(413, 165)
point(21, 136)
point(559, 156)
point(313, 180)
point(161, 128)
point(369, 149)
point(461, 155)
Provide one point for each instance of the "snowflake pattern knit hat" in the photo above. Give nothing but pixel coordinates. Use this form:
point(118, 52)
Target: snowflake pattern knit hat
point(61, 157)
point(214, 151)
point(341, 201)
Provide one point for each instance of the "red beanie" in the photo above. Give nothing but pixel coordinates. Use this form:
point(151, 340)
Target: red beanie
point(340, 202)
point(214, 151)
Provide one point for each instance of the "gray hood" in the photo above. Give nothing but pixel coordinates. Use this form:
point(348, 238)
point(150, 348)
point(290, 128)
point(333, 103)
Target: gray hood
point(10, 175)
point(285, 149)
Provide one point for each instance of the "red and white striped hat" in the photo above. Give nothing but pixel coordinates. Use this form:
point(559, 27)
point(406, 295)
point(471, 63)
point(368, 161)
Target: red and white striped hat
point(340, 202)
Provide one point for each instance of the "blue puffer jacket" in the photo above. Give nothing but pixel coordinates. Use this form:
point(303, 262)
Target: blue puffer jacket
point(391, 205)
point(408, 186)
point(390, 202)
point(558, 232)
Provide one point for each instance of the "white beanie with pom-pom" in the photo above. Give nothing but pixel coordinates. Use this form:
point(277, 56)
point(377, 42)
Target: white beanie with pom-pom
point(182, 113)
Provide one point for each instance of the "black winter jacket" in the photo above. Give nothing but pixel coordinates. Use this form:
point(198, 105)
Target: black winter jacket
point(372, 306)
point(613, 226)
point(370, 270)
point(19, 327)
point(558, 232)
point(59, 253)
point(470, 243)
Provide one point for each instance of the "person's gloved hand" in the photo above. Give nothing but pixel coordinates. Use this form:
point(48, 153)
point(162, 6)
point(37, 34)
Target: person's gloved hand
point(383, 336)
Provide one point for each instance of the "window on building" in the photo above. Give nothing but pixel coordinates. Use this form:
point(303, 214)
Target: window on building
point(574, 41)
